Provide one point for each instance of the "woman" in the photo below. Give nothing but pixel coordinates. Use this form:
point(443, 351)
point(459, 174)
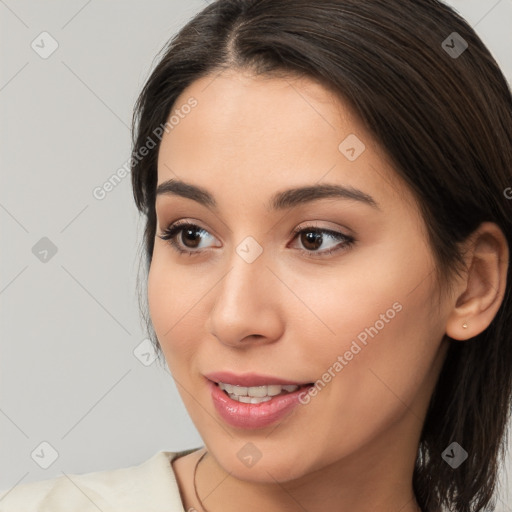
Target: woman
point(327, 192)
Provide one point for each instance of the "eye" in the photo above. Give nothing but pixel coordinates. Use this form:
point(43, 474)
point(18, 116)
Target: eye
point(312, 237)
point(189, 241)
point(190, 233)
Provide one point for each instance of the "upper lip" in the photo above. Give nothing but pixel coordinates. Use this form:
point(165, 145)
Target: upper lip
point(249, 379)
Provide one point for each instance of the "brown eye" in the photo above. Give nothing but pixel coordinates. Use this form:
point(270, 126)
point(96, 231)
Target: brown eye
point(190, 237)
point(312, 238)
point(185, 237)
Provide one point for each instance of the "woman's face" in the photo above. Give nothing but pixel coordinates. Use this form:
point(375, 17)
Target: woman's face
point(321, 286)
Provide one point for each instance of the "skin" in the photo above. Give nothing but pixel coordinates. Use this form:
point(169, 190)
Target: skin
point(353, 446)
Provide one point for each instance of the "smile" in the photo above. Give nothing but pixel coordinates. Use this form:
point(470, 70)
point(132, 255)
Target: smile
point(255, 394)
point(253, 407)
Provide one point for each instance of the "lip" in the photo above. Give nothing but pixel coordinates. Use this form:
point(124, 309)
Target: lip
point(249, 379)
point(253, 416)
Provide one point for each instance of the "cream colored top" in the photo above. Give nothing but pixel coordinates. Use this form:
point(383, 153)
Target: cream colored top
point(148, 487)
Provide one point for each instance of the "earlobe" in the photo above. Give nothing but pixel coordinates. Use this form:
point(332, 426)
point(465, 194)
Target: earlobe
point(480, 293)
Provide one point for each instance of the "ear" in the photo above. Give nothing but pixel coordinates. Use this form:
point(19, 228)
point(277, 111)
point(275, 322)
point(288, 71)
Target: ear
point(480, 293)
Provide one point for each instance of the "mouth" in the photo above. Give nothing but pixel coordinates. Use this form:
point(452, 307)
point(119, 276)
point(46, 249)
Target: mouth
point(258, 394)
point(254, 404)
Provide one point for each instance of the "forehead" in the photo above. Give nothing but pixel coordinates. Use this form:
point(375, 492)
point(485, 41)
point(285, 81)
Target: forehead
point(257, 133)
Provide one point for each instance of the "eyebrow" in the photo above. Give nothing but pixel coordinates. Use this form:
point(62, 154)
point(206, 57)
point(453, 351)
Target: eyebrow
point(280, 201)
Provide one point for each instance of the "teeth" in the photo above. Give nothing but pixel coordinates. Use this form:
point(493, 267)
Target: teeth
point(255, 394)
point(229, 388)
point(257, 391)
point(273, 390)
point(238, 390)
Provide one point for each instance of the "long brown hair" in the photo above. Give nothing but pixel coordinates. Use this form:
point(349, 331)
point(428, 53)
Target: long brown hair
point(429, 91)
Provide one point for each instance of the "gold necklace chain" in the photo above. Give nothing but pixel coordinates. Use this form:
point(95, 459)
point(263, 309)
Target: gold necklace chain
point(194, 481)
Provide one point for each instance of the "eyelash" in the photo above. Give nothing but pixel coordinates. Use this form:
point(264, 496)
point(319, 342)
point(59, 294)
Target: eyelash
point(170, 233)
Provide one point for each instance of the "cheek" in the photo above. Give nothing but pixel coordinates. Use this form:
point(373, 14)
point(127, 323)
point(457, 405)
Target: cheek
point(358, 299)
point(165, 301)
point(379, 333)
point(160, 298)
point(174, 300)
point(386, 361)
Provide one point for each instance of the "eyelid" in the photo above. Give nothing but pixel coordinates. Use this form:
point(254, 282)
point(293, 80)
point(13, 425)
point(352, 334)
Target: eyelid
point(174, 228)
point(345, 241)
point(320, 226)
point(188, 221)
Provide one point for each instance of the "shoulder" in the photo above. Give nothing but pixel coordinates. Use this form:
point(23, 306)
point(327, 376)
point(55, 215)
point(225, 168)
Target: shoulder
point(150, 486)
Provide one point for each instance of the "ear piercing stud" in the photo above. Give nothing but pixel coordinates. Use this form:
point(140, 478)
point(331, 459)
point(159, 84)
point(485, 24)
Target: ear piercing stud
point(465, 325)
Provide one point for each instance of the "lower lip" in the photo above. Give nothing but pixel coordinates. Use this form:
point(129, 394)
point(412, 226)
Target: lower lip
point(242, 415)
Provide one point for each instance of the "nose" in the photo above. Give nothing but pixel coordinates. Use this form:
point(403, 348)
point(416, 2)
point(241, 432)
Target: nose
point(247, 306)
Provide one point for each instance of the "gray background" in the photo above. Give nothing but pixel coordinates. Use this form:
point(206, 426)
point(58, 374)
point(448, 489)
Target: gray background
point(70, 325)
